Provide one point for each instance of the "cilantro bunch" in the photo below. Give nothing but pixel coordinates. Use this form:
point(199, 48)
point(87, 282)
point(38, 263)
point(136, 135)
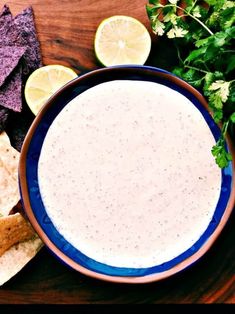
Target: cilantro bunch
point(204, 37)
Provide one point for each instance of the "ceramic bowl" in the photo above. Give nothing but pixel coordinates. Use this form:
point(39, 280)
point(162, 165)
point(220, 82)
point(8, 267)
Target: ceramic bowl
point(37, 214)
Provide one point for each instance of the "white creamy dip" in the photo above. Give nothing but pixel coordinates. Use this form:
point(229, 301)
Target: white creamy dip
point(126, 173)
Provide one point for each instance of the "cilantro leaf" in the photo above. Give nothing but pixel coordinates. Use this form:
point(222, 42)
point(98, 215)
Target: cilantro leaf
point(222, 157)
point(230, 63)
point(195, 54)
point(204, 40)
point(232, 117)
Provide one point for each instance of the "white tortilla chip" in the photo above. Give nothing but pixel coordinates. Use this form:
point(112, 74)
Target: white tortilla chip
point(9, 190)
point(13, 260)
point(4, 138)
point(14, 229)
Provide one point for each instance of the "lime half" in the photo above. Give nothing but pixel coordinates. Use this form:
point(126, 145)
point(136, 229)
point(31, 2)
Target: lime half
point(44, 82)
point(122, 39)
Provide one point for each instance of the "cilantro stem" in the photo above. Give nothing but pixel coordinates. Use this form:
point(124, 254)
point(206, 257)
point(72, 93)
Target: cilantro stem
point(205, 65)
point(196, 69)
point(192, 16)
point(202, 24)
point(225, 128)
point(178, 54)
point(228, 51)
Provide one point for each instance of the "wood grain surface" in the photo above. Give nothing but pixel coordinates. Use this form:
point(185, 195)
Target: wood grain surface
point(66, 30)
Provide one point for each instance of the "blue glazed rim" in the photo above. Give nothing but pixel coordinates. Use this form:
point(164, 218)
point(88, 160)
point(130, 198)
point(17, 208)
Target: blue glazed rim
point(31, 197)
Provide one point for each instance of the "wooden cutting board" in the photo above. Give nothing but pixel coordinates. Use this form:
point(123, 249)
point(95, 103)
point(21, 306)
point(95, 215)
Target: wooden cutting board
point(66, 30)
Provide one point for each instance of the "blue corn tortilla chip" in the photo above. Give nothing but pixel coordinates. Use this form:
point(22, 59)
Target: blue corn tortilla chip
point(24, 23)
point(8, 32)
point(5, 20)
point(20, 47)
point(9, 59)
point(21, 32)
point(18, 126)
point(5, 23)
point(11, 91)
point(10, 76)
point(4, 115)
